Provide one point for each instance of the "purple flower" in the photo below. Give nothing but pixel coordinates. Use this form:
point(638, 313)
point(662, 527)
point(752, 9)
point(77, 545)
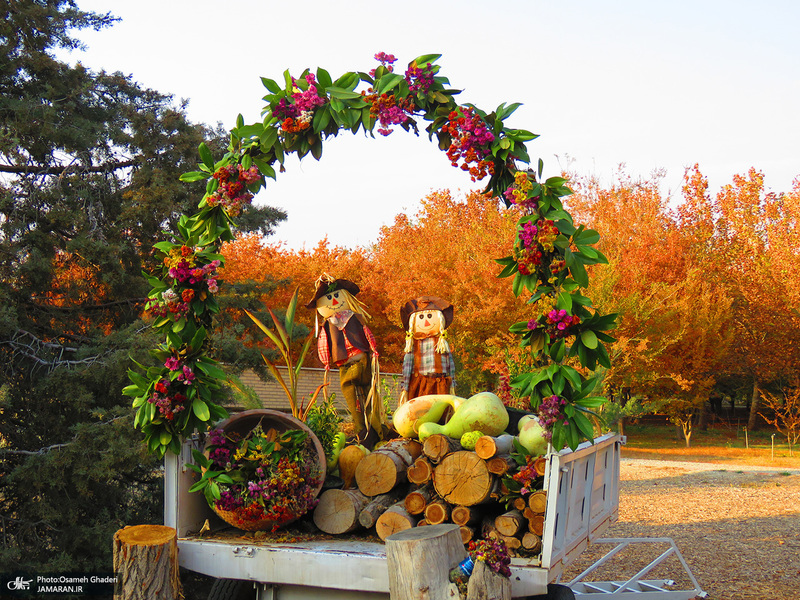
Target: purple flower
point(172, 363)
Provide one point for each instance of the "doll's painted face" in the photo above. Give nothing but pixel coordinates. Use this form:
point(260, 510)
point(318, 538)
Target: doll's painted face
point(329, 304)
point(428, 323)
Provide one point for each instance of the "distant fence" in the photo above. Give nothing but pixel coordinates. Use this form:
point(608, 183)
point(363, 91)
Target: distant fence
point(272, 394)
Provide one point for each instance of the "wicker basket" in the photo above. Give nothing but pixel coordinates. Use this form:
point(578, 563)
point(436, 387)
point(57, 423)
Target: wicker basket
point(244, 422)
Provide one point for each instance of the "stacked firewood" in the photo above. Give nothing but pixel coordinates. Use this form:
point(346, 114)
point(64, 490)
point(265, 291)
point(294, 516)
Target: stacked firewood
point(406, 484)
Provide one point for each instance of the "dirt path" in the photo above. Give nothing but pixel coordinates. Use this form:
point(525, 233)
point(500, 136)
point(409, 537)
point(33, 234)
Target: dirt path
point(738, 530)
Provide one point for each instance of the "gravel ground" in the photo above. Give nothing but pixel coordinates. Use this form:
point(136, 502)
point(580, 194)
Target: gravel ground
point(738, 528)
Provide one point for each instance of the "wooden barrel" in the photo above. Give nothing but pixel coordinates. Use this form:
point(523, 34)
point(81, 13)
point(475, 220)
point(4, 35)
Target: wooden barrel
point(243, 423)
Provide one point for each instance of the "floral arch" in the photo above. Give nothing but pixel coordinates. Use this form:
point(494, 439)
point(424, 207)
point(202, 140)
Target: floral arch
point(565, 335)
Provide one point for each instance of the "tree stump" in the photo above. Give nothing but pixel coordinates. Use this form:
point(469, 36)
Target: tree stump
point(419, 562)
point(485, 584)
point(488, 447)
point(463, 478)
point(146, 563)
point(394, 520)
point(338, 511)
point(380, 471)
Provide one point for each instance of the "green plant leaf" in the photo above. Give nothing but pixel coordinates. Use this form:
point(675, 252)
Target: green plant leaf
point(589, 339)
point(200, 410)
point(205, 156)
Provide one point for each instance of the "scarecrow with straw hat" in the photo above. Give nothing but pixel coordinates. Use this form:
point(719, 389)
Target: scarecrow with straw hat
point(428, 366)
point(344, 341)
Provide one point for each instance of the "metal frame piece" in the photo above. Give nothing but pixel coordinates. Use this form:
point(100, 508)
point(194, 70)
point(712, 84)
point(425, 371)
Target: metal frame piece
point(635, 587)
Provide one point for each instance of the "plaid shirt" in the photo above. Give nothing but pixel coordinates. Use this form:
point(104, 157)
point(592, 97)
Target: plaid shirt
point(324, 352)
point(427, 364)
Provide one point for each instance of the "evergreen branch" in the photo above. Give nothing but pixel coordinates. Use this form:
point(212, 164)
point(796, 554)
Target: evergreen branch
point(46, 449)
point(63, 169)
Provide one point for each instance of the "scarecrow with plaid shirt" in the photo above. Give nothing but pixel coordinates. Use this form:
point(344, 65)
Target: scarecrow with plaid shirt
point(428, 366)
point(345, 342)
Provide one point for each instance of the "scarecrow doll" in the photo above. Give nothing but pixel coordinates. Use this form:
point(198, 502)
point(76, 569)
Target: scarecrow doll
point(428, 366)
point(344, 341)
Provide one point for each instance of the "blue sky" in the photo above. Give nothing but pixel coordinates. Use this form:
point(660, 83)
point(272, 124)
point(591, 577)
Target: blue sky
point(653, 85)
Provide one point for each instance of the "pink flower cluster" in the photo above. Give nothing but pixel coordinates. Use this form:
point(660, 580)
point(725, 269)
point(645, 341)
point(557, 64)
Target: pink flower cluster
point(550, 413)
point(296, 114)
point(419, 79)
point(169, 404)
point(186, 374)
point(232, 193)
point(188, 274)
point(528, 233)
point(562, 321)
point(470, 142)
point(387, 60)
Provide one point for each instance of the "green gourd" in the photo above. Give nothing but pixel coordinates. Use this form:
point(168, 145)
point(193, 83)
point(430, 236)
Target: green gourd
point(482, 412)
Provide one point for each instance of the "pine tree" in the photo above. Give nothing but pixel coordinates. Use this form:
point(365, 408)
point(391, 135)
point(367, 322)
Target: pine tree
point(89, 166)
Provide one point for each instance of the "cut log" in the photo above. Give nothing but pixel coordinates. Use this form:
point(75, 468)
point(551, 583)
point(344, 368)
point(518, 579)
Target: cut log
point(463, 478)
point(537, 501)
point(416, 500)
point(485, 584)
point(500, 465)
point(467, 533)
point(338, 511)
point(465, 515)
point(437, 446)
point(488, 447)
point(376, 507)
point(540, 465)
point(380, 471)
point(536, 525)
point(531, 542)
point(146, 563)
point(510, 523)
point(487, 527)
point(394, 520)
point(519, 503)
point(348, 462)
point(419, 562)
point(420, 472)
point(422, 523)
point(437, 512)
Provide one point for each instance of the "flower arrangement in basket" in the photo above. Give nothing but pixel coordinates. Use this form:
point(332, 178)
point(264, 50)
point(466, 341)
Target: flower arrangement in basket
point(262, 480)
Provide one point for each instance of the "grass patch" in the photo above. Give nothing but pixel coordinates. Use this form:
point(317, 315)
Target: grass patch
point(717, 445)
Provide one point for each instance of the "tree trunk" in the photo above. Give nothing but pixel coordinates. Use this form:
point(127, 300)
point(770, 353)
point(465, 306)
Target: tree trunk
point(420, 472)
point(146, 562)
point(380, 471)
point(500, 465)
point(537, 501)
point(755, 405)
point(394, 520)
point(463, 478)
point(437, 446)
point(485, 584)
point(437, 512)
point(465, 515)
point(419, 562)
point(376, 507)
point(338, 511)
point(416, 501)
point(488, 447)
point(509, 523)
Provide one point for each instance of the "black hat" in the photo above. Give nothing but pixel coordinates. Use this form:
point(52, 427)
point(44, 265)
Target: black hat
point(426, 303)
point(328, 285)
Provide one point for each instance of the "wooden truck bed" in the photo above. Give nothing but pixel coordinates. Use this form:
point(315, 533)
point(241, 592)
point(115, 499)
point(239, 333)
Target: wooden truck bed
point(582, 500)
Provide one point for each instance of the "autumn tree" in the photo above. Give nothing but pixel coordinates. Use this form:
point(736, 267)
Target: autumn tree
point(674, 326)
point(747, 239)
